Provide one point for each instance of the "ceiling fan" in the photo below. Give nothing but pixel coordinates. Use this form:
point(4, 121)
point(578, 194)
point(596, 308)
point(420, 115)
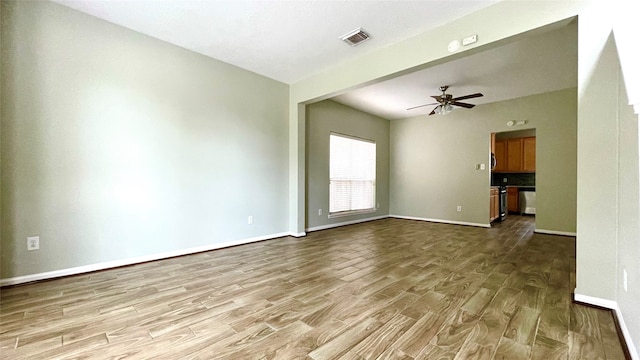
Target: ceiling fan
point(447, 101)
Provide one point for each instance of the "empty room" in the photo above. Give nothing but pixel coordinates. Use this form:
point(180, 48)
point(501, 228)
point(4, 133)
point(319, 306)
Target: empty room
point(319, 180)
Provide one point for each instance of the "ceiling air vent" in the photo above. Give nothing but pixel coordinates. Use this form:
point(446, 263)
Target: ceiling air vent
point(354, 37)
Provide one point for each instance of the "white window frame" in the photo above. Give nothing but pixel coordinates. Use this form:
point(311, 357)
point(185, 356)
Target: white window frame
point(370, 178)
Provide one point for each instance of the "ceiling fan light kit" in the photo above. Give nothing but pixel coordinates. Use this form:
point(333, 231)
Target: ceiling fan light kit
point(445, 102)
point(443, 109)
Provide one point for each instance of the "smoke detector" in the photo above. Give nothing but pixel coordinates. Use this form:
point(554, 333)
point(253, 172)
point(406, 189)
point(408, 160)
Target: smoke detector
point(355, 37)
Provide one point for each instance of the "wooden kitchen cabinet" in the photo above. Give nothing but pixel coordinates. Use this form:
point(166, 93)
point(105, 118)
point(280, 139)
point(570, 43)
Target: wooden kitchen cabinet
point(500, 152)
point(515, 155)
point(529, 154)
point(494, 204)
point(513, 200)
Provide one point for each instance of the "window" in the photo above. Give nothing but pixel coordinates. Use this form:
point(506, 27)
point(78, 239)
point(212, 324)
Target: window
point(352, 175)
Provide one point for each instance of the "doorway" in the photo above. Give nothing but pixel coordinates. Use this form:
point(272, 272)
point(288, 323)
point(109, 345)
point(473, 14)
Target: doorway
point(515, 170)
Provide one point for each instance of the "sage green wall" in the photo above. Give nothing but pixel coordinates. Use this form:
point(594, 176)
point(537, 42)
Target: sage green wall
point(433, 161)
point(116, 145)
point(434, 158)
point(1, 137)
point(598, 178)
point(628, 251)
point(323, 118)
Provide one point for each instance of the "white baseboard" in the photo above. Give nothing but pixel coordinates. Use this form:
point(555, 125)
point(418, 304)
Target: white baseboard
point(329, 226)
point(609, 304)
point(452, 222)
point(613, 305)
point(554, 232)
point(298, 235)
point(131, 261)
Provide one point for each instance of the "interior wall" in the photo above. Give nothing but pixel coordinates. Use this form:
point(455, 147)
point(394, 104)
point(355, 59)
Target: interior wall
point(608, 181)
point(628, 251)
point(427, 152)
point(116, 145)
point(323, 118)
point(626, 30)
point(433, 167)
point(1, 137)
point(596, 245)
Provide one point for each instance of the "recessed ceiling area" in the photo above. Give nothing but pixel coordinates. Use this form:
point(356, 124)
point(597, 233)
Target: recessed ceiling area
point(535, 64)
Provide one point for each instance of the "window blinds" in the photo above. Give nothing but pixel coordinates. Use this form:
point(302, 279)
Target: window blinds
point(352, 174)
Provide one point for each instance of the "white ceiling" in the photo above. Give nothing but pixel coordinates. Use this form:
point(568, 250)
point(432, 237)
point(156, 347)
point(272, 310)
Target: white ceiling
point(533, 65)
point(283, 40)
point(291, 40)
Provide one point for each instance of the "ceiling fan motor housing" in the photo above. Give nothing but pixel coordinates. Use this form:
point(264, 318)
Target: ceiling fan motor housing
point(447, 100)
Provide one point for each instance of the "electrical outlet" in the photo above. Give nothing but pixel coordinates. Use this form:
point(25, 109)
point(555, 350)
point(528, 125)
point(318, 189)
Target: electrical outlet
point(482, 167)
point(624, 279)
point(250, 220)
point(459, 208)
point(319, 212)
point(33, 243)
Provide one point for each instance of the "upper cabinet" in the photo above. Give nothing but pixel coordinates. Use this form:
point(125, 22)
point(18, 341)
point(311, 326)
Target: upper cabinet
point(500, 152)
point(515, 155)
point(529, 154)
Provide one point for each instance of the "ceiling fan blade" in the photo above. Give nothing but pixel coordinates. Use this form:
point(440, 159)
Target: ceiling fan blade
point(464, 105)
point(438, 98)
point(433, 111)
point(419, 106)
point(470, 96)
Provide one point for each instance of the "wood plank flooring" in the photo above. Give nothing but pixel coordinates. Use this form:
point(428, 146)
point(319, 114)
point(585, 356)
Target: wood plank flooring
point(388, 289)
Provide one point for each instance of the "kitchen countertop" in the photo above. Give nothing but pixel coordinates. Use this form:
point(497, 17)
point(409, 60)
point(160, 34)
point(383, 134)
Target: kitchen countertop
point(522, 188)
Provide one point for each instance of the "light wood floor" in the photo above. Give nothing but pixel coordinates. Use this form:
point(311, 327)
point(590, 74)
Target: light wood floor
point(389, 289)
